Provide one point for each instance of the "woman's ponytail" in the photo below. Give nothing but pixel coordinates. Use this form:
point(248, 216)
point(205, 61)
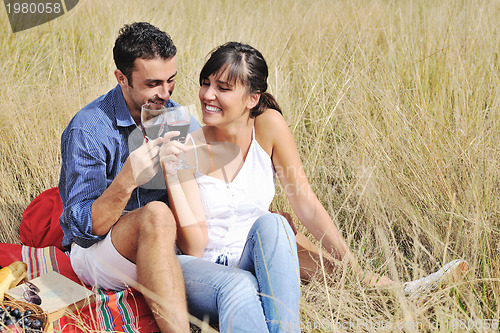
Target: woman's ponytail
point(266, 101)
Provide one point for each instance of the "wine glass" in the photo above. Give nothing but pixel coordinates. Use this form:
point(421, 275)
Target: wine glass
point(153, 121)
point(153, 125)
point(178, 118)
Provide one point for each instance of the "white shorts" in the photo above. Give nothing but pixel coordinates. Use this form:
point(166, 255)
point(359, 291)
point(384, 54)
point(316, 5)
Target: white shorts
point(102, 265)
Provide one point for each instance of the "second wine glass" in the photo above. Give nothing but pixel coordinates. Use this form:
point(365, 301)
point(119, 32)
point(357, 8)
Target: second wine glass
point(178, 118)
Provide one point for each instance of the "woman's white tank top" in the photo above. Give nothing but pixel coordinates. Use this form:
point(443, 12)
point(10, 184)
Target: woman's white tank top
point(232, 208)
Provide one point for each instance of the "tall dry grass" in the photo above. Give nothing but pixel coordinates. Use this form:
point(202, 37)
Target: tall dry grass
point(395, 107)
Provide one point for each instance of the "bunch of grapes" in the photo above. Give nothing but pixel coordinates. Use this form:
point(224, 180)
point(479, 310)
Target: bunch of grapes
point(14, 320)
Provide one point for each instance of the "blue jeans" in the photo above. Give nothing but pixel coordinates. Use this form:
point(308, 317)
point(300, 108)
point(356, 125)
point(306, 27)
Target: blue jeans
point(262, 294)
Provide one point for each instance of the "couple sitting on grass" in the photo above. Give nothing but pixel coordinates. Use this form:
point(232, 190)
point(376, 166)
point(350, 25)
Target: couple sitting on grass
point(215, 250)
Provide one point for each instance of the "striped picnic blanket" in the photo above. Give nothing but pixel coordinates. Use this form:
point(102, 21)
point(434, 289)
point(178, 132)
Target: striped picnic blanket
point(124, 311)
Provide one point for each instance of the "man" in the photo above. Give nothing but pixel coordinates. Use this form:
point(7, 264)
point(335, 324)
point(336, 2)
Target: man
point(120, 232)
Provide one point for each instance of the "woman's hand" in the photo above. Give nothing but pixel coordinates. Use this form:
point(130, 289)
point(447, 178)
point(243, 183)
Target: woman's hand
point(169, 153)
point(184, 198)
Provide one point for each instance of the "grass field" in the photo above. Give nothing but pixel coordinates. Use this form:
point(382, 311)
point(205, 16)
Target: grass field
point(395, 107)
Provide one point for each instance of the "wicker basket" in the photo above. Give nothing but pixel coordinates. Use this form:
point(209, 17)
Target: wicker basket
point(38, 313)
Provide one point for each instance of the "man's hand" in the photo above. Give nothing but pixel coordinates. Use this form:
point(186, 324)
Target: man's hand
point(140, 167)
point(169, 153)
point(144, 161)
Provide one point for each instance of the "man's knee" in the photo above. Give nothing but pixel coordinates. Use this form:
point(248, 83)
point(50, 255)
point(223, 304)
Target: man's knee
point(158, 210)
point(158, 218)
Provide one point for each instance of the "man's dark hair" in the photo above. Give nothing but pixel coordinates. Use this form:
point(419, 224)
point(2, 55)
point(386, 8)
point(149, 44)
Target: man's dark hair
point(140, 40)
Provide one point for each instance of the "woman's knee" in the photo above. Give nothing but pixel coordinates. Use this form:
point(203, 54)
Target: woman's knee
point(275, 229)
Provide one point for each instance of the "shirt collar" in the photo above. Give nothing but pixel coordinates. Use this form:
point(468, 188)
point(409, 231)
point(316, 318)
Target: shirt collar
point(123, 117)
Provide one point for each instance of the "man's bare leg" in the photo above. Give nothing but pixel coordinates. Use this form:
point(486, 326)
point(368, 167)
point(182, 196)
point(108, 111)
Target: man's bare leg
point(146, 236)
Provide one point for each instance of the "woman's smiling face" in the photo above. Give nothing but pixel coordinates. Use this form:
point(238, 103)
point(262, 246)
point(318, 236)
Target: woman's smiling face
point(224, 101)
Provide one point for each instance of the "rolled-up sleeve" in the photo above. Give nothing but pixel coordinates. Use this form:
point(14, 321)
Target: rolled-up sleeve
point(83, 180)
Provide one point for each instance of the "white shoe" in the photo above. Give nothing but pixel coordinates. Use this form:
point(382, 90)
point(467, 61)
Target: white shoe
point(450, 271)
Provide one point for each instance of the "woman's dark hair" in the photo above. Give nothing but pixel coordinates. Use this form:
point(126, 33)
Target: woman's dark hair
point(140, 40)
point(246, 65)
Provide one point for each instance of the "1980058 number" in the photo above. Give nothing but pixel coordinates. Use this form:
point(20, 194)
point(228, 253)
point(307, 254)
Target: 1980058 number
point(34, 8)
point(472, 324)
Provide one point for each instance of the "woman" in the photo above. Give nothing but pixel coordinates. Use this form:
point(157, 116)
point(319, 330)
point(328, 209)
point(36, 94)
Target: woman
point(222, 203)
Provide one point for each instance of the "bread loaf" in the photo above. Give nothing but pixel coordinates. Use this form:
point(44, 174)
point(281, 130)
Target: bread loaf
point(11, 275)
